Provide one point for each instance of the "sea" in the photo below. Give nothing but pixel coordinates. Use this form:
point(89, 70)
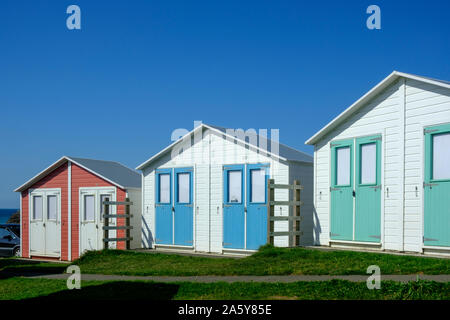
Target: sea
point(5, 214)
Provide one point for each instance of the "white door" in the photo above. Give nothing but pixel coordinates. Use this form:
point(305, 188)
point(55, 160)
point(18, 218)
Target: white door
point(52, 224)
point(37, 231)
point(89, 223)
point(91, 220)
point(45, 222)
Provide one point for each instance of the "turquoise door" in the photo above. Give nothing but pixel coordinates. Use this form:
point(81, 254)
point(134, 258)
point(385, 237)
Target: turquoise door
point(183, 205)
point(437, 186)
point(368, 189)
point(257, 178)
point(341, 190)
point(163, 203)
point(233, 207)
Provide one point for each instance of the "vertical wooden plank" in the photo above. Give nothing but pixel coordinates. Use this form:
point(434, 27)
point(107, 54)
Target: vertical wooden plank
point(270, 212)
point(296, 223)
point(127, 212)
point(106, 224)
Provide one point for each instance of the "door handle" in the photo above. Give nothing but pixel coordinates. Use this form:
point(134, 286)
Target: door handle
point(44, 224)
point(354, 193)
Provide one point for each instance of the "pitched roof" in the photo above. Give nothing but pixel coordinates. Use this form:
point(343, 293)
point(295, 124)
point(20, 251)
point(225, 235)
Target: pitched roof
point(111, 171)
point(369, 95)
point(284, 153)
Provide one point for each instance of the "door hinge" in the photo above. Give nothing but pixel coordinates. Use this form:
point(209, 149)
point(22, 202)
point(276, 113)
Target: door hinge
point(429, 239)
point(376, 139)
point(429, 184)
point(376, 237)
point(334, 189)
point(425, 131)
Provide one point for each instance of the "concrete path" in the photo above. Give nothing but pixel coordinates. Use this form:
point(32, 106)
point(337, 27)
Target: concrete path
point(353, 278)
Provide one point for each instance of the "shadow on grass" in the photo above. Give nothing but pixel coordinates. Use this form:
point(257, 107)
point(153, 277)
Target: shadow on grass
point(117, 290)
point(15, 267)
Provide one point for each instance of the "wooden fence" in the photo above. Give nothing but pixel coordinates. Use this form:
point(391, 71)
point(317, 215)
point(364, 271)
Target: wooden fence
point(106, 227)
point(294, 232)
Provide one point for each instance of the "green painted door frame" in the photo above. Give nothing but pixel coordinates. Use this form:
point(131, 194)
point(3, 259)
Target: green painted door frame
point(436, 193)
point(368, 189)
point(341, 192)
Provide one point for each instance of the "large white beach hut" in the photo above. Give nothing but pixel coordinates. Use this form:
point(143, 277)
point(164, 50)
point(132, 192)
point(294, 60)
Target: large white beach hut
point(382, 169)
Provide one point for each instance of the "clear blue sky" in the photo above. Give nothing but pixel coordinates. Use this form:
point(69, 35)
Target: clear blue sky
point(139, 69)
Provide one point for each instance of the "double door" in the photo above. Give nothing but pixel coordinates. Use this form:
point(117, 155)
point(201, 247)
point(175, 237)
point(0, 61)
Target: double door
point(356, 189)
point(245, 206)
point(45, 222)
point(174, 207)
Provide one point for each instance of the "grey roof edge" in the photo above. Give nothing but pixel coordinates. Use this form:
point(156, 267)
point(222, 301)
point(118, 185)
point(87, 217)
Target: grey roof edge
point(391, 78)
point(76, 160)
point(307, 157)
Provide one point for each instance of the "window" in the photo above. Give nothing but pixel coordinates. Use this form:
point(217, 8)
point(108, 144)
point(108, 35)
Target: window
point(184, 187)
point(37, 208)
point(164, 188)
point(369, 163)
point(51, 207)
point(441, 156)
point(103, 198)
point(343, 166)
point(235, 186)
point(258, 185)
point(89, 208)
point(4, 233)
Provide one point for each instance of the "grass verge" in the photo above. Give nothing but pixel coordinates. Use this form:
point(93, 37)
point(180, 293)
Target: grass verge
point(25, 288)
point(267, 261)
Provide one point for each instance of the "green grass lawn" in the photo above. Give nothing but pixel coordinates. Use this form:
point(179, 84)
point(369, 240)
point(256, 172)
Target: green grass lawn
point(267, 261)
point(25, 288)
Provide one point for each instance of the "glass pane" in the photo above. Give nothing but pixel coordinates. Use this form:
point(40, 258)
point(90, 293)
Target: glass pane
point(369, 163)
point(37, 208)
point(183, 187)
point(258, 185)
point(89, 208)
point(51, 207)
point(343, 166)
point(441, 156)
point(164, 188)
point(235, 186)
point(103, 197)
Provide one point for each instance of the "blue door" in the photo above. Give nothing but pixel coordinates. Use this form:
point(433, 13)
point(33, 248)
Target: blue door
point(183, 215)
point(257, 179)
point(164, 215)
point(233, 207)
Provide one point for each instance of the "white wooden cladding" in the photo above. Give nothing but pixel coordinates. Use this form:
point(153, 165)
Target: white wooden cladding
point(399, 113)
point(207, 157)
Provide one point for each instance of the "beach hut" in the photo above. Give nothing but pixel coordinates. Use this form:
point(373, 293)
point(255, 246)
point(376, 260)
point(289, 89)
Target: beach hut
point(382, 169)
point(207, 192)
point(61, 207)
